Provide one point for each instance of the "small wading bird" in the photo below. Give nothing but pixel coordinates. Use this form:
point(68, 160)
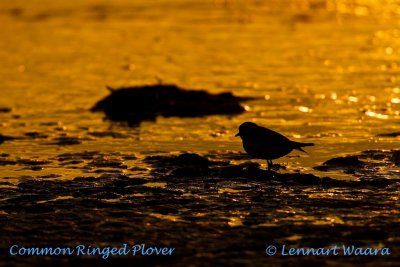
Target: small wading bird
point(263, 143)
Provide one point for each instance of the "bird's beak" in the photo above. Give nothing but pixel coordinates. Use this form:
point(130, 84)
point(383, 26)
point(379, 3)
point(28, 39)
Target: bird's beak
point(238, 134)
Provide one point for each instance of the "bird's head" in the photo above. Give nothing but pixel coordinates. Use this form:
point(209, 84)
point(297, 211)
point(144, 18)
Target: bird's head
point(245, 128)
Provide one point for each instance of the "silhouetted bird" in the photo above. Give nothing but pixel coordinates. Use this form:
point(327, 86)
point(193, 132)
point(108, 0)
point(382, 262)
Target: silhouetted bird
point(263, 143)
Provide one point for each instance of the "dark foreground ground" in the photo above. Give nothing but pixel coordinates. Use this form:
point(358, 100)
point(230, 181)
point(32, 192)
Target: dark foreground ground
point(213, 212)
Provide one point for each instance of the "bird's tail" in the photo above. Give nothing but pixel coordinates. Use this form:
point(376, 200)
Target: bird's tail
point(299, 145)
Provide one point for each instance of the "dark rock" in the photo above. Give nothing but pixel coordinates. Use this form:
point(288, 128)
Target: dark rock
point(373, 234)
point(188, 172)
point(190, 159)
point(108, 134)
point(327, 181)
point(138, 169)
point(86, 155)
point(72, 162)
point(36, 168)
point(321, 168)
point(374, 154)
point(107, 195)
point(182, 160)
point(137, 181)
point(344, 161)
point(5, 109)
point(231, 171)
point(167, 210)
point(35, 135)
point(4, 138)
point(145, 103)
point(129, 157)
point(378, 182)
point(66, 141)
point(50, 176)
point(350, 171)
point(303, 179)
point(39, 208)
point(51, 123)
point(110, 163)
point(396, 157)
point(156, 160)
point(4, 162)
point(106, 171)
point(31, 162)
point(85, 179)
point(394, 134)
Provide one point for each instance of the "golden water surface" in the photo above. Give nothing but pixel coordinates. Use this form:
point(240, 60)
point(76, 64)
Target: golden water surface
point(324, 71)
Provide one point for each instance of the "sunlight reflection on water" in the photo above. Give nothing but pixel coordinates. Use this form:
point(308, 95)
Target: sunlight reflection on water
point(324, 71)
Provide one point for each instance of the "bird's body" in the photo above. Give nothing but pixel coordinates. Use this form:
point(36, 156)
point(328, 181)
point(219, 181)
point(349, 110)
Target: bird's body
point(262, 143)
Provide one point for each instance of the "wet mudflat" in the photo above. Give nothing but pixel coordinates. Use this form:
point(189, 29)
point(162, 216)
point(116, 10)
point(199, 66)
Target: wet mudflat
point(208, 210)
point(317, 71)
